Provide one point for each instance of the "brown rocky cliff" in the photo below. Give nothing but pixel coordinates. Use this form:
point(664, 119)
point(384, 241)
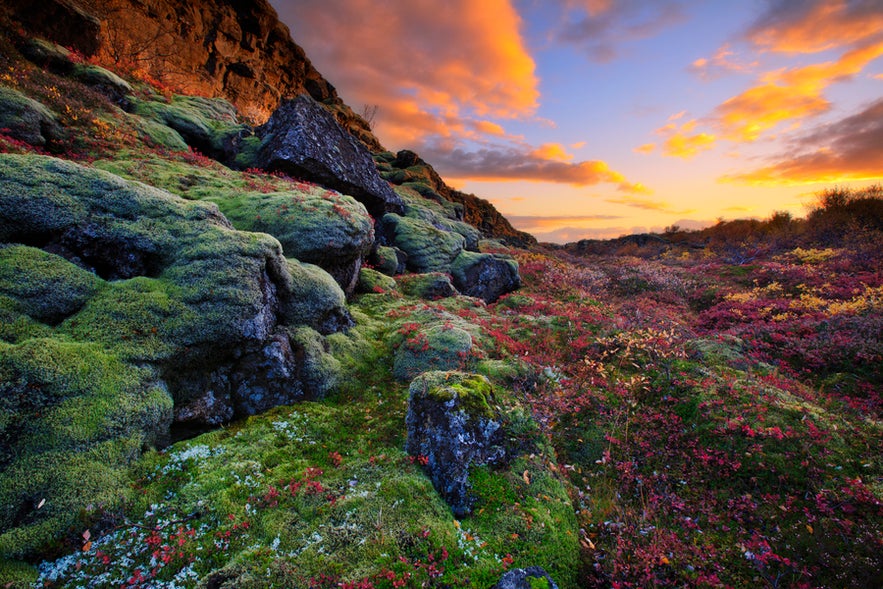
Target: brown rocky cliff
point(235, 49)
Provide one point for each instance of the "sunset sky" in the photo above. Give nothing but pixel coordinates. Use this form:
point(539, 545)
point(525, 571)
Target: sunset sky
point(597, 118)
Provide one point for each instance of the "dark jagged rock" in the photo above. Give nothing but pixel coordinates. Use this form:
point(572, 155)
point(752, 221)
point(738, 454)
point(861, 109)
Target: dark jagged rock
point(451, 424)
point(486, 276)
point(529, 578)
point(305, 140)
point(64, 21)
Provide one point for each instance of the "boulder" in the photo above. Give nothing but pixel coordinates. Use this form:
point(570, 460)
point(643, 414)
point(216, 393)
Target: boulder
point(429, 249)
point(104, 81)
point(315, 299)
point(389, 260)
point(26, 119)
point(486, 276)
point(451, 425)
point(63, 21)
point(529, 578)
point(208, 125)
point(372, 281)
point(430, 286)
point(314, 225)
point(304, 140)
point(136, 299)
point(440, 347)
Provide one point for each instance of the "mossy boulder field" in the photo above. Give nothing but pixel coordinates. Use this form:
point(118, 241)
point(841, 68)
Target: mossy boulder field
point(243, 345)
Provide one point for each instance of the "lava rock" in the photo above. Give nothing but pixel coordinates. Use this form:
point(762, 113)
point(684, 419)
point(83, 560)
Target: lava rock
point(430, 286)
point(305, 140)
point(452, 425)
point(529, 578)
point(486, 276)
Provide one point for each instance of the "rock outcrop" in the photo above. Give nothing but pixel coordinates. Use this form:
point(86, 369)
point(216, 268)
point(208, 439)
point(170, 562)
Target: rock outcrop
point(408, 169)
point(529, 578)
point(128, 304)
point(486, 276)
point(303, 139)
point(452, 428)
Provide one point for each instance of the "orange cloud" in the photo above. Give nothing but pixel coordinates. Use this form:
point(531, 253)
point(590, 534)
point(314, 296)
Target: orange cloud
point(648, 205)
point(848, 150)
point(687, 146)
point(500, 165)
point(430, 67)
point(722, 62)
point(811, 26)
point(489, 128)
point(791, 94)
point(645, 148)
point(552, 151)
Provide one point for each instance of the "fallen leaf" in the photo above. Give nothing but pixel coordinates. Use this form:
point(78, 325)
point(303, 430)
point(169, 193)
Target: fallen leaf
point(87, 546)
point(809, 528)
point(39, 505)
point(86, 535)
point(526, 477)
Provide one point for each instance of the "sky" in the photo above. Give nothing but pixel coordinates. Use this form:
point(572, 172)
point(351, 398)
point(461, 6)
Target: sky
point(599, 118)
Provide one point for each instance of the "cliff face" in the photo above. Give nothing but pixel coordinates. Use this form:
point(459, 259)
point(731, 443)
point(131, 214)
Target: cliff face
point(234, 49)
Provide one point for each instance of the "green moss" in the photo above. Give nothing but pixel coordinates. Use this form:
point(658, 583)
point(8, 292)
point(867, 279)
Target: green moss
point(208, 124)
point(26, 119)
point(472, 393)
point(440, 347)
point(538, 582)
point(373, 281)
point(429, 249)
point(315, 296)
point(430, 286)
point(161, 135)
point(386, 260)
point(45, 286)
point(312, 224)
point(74, 418)
point(320, 371)
point(93, 75)
point(17, 574)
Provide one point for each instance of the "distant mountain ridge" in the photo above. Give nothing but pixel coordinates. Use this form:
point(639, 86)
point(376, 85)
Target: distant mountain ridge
point(233, 49)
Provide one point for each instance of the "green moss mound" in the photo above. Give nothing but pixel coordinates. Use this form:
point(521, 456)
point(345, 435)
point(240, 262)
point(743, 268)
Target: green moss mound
point(26, 119)
point(74, 417)
point(430, 286)
point(440, 347)
point(44, 286)
point(372, 281)
point(429, 248)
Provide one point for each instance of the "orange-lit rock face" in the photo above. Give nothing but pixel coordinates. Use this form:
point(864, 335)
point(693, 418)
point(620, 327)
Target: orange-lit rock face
point(239, 51)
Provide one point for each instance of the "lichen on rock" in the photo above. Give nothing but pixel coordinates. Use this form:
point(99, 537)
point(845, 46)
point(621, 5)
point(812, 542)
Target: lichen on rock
point(453, 427)
point(438, 347)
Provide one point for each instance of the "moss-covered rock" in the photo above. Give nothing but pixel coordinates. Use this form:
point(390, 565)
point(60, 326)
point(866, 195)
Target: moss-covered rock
point(440, 347)
point(372, 281)
point(316, 299)
point(105, 81)
point(314, 225)
point(429, 248)
point(486, 276)
point(26, 119)
point(209, 125)
point(46, 287)
point(389, 260)
point(429, 286)
point(74, 417)
point(452, 426)
point(47, 54)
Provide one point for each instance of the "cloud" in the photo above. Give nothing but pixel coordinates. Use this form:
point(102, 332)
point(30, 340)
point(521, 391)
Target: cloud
point(552, 151)
point(789, 94)
point(810, 26)
point(681, 141)
point(648, 205)
point(532, 223)
point(645, 148)
point(722, 62)
point(520, 163)
point(430, 67)
point(846, 150)
point(599, 27)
